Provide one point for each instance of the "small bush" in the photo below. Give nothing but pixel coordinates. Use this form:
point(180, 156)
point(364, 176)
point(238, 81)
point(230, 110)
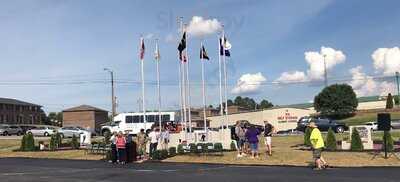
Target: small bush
point(107, 138)
point(172, 151)
point(307, 134)
point(389, 101)
point(181, 151)
point(218, 147)
point(29, 144)
point(192, 148)
point(58, 139)
point(356, 143)
point(53, 143)
point(160, 154)
point(331, 140)
point(396, 100)
point(23, 143)
point(233, 146)
point(74, 142)
point(164, 154)
point(389, 141)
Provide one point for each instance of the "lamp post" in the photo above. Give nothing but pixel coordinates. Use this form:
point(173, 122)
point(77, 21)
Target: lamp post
point(112, 94)
point(325, 72)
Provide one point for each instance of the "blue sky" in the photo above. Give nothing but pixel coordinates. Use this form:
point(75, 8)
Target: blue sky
point(53, 52)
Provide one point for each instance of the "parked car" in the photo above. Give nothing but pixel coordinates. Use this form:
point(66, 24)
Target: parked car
point(69, 131)
point(25, 128)
point(322, 123)
point(10, 130)
point(372, 125)
point(42, 131)
point(395, 124)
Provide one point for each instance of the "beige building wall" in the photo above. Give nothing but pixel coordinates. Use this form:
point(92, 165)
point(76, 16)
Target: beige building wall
point(281, 118)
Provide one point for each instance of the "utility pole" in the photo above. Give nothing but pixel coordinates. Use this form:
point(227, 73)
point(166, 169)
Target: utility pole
point(325, 72)
point(397, 80)
point(112, 94)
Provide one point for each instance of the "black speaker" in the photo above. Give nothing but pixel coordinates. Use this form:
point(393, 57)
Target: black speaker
point(384, 123)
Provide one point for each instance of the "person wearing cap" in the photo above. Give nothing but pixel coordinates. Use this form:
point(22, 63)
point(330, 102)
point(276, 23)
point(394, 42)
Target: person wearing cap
point(318, 145)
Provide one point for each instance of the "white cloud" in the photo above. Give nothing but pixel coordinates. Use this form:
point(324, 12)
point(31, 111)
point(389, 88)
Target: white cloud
point(365, 85)
point(149, 36)
point(199, 26)
point(294, 76)
point(362, 84)
point(387, 60)
point(249, 83)
point(170, 38)
point(315, 61)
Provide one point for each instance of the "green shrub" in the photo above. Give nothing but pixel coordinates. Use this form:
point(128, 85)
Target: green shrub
point(181, 151)
point(356, 143)
point(23, 143)
point(218, 147)
point(307, 134)
point(107, 138)
point(53, 143)
point(29, 144)
point(233, 146)
point(192, 148)
point(172, 151)
point(389, 101)
point(74, 142)
point(58, 139)
point(164, 154)
point(331, 140)
point(389, 141)
point(396, 100)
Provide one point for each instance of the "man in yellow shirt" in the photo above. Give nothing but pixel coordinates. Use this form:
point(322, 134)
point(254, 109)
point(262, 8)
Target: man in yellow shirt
point(318, 145)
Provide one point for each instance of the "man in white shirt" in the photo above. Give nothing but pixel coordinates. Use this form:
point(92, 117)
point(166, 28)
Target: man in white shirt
point(153, 136)
point(164, 139)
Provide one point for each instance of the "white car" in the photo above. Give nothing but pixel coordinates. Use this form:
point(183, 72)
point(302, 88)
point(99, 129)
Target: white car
point(372, 125)
point(70, 131)
point(42, 131)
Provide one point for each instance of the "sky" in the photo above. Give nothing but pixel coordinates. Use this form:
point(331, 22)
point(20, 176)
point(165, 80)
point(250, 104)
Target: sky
point(53, 53)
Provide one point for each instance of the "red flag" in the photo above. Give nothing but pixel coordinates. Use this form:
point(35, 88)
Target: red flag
point(141, 51)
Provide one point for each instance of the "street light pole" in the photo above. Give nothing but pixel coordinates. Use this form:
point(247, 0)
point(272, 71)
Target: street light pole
point(325, 72)
point(112, 94)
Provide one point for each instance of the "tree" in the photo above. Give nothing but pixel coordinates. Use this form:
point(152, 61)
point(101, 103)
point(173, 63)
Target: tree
point(389, 141)
point(230, 102)
point(356, 143)
point(264, 104)
point(396, 100)
point(389, 101)
point(59, 119)
point(337, 99)
point(331, 140)
point(307, 134)
point(74, 142)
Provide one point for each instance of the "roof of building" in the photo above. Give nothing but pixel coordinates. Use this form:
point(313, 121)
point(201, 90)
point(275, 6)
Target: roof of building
point(84, 108)
point(16, 102)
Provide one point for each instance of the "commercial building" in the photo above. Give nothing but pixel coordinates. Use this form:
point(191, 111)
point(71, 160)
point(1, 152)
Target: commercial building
point(85, 116)
point(282, 118)
point(14, 111)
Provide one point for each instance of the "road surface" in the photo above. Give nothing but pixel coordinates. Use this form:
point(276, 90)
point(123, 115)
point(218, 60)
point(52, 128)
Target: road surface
point(20, 169)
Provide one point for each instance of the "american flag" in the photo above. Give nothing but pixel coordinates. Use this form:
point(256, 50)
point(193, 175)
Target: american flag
point(141, 51)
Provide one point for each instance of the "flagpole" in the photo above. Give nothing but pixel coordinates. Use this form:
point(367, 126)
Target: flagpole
point(225, 80)
point(203, 86)
point(188, 89)
point(183, 82)
point(158, 84)
point(220, 83)
point(142, 77)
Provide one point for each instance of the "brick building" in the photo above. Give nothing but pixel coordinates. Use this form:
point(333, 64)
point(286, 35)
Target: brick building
point(14, 111)
point(85, 116)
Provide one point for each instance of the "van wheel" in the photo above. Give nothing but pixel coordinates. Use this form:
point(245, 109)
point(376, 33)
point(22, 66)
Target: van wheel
point(61, 135)
point(46, 134)
point(339, 129)
point(5, 133)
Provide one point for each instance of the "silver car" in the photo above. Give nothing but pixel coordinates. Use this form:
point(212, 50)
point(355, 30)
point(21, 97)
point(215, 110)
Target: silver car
point(42, 131)
point(69, 131)
point(10, 130)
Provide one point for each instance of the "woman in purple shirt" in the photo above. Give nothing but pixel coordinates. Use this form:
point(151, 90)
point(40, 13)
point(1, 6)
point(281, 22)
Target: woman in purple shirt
point(252, 137)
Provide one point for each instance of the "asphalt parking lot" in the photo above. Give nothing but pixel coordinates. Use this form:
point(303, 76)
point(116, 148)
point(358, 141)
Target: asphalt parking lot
point(20, 169)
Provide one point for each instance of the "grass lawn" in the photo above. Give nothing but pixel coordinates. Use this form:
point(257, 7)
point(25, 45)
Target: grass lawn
point(8, 145)
point(286, 151)
point(361, 118)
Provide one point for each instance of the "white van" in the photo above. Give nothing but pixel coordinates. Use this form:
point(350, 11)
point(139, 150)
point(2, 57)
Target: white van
point(133, 122)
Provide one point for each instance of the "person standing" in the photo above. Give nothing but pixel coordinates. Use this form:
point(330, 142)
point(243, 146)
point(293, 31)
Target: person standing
point(164, 138)
point(141, 142)
point(121, 146)
point(240, 138)
point(153, 137)
point(318, 145)
point(268, 131)
point(129, 148)
point(113, 140)
point(252, 137)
